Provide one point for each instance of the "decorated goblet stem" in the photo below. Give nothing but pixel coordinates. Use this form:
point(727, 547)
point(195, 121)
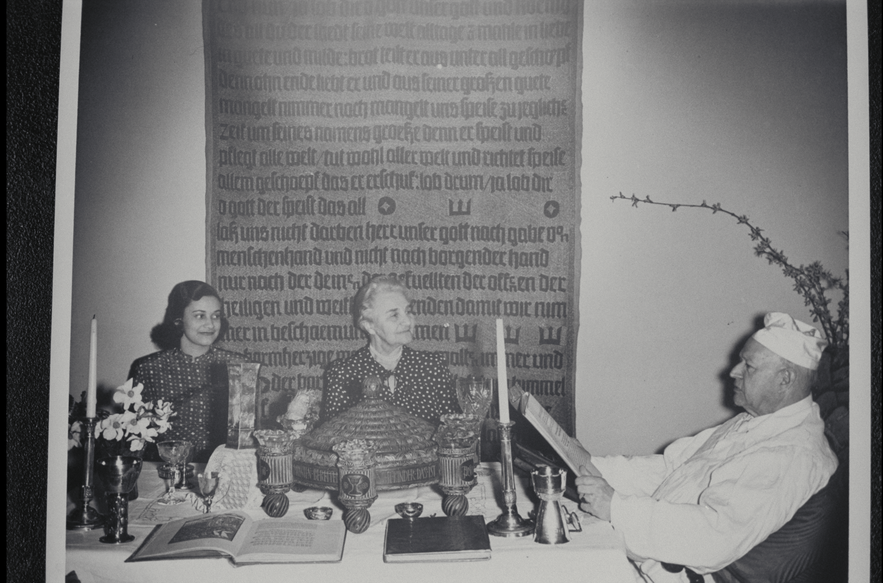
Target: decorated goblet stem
point(456, 456)
point(275, 473)
point(457, 478)
point(169, 475)
point(182, 483)
point(356, 471)
point(116, 528)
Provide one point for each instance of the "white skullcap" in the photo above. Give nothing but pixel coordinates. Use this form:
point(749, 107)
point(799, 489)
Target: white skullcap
point(792, 339)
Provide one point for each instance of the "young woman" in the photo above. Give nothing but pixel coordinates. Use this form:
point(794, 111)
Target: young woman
point(189, 371)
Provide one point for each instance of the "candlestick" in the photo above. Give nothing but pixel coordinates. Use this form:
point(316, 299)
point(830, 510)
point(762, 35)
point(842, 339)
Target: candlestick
point(509, 523)
point(92, 387)
point(84, 517)
point(502, 383)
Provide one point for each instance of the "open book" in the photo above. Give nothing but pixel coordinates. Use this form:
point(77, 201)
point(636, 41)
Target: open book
point(570, 449)
point(244, 540)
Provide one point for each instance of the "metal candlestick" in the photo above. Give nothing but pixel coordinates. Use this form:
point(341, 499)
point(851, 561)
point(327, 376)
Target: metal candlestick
point(84, 517)
point(509, 523)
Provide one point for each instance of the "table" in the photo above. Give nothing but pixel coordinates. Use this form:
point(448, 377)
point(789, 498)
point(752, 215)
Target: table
point(595, 555)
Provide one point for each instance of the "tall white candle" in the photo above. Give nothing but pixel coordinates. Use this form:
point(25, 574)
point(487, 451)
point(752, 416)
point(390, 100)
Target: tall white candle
point(502, 383)
point(92, 388)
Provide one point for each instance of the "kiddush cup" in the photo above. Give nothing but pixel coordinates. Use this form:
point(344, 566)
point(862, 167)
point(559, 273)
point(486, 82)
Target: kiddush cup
point(119, 475)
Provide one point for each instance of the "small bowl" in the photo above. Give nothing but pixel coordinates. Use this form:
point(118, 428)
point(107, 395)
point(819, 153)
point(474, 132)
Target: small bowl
point(318, 512)
point(409, 510)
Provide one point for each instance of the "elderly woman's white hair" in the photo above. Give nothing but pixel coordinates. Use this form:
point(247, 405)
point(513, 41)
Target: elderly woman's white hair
point(363, 301)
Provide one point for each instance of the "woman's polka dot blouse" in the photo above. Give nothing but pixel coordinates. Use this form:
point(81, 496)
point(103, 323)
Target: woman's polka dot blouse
point(196, 387)
point(423, 384)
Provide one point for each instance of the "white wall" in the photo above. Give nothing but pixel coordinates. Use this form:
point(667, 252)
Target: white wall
point(742, 106)
point(139, 219)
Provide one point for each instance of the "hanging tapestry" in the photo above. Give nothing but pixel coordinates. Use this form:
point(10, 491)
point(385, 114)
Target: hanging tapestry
point(436, 140)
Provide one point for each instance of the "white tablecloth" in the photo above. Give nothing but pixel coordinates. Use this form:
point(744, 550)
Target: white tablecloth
point(595, 555)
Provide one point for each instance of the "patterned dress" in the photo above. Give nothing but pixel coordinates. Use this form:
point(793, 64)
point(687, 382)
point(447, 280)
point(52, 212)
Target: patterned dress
point(423, 384)
point(197, 389)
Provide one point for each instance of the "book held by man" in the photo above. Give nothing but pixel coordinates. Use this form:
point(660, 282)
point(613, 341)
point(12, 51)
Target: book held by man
point(244, 540)
point(570, 450)
point(444, 538)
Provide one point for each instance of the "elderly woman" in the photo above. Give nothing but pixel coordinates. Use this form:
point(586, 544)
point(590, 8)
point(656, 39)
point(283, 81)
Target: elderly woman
point(190, 371)
point(417, 381)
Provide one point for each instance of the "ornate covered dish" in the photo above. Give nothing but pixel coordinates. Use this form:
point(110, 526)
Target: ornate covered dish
point(403, 450)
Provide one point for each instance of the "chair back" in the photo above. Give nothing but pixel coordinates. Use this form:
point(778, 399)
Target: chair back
point(801, 551)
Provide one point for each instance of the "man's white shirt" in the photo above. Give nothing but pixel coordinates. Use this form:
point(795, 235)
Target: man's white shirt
point(710, 498)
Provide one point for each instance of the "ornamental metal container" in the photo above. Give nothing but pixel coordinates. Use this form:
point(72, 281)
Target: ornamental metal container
point(405, 456)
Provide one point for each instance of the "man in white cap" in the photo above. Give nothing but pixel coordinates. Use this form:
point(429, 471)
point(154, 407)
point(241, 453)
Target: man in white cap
point(709, 499)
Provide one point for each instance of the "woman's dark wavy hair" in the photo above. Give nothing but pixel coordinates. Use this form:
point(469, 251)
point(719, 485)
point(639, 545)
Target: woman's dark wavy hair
point(167, 334)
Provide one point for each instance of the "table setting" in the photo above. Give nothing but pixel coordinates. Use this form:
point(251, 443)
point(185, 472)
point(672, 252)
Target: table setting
point(596, 550)
point(368, 467)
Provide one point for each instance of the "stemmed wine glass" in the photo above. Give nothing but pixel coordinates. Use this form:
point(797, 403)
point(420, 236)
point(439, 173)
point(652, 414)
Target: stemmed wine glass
point(208, 483)
point(173, 472)
point(474, 395)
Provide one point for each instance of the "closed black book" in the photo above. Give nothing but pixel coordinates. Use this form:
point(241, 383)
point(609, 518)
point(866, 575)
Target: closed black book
point(446, 538)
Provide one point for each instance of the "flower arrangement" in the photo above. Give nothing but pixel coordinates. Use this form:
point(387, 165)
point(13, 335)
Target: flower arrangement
point(131, 427)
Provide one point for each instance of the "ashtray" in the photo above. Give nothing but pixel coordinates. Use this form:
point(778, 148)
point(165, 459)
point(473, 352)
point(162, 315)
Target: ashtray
point(409, 510)
point(318, 512)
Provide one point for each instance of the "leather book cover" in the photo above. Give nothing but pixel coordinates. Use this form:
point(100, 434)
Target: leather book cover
point(446, 538)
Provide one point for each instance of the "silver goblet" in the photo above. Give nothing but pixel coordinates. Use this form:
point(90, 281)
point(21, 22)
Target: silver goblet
point(119, 475)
